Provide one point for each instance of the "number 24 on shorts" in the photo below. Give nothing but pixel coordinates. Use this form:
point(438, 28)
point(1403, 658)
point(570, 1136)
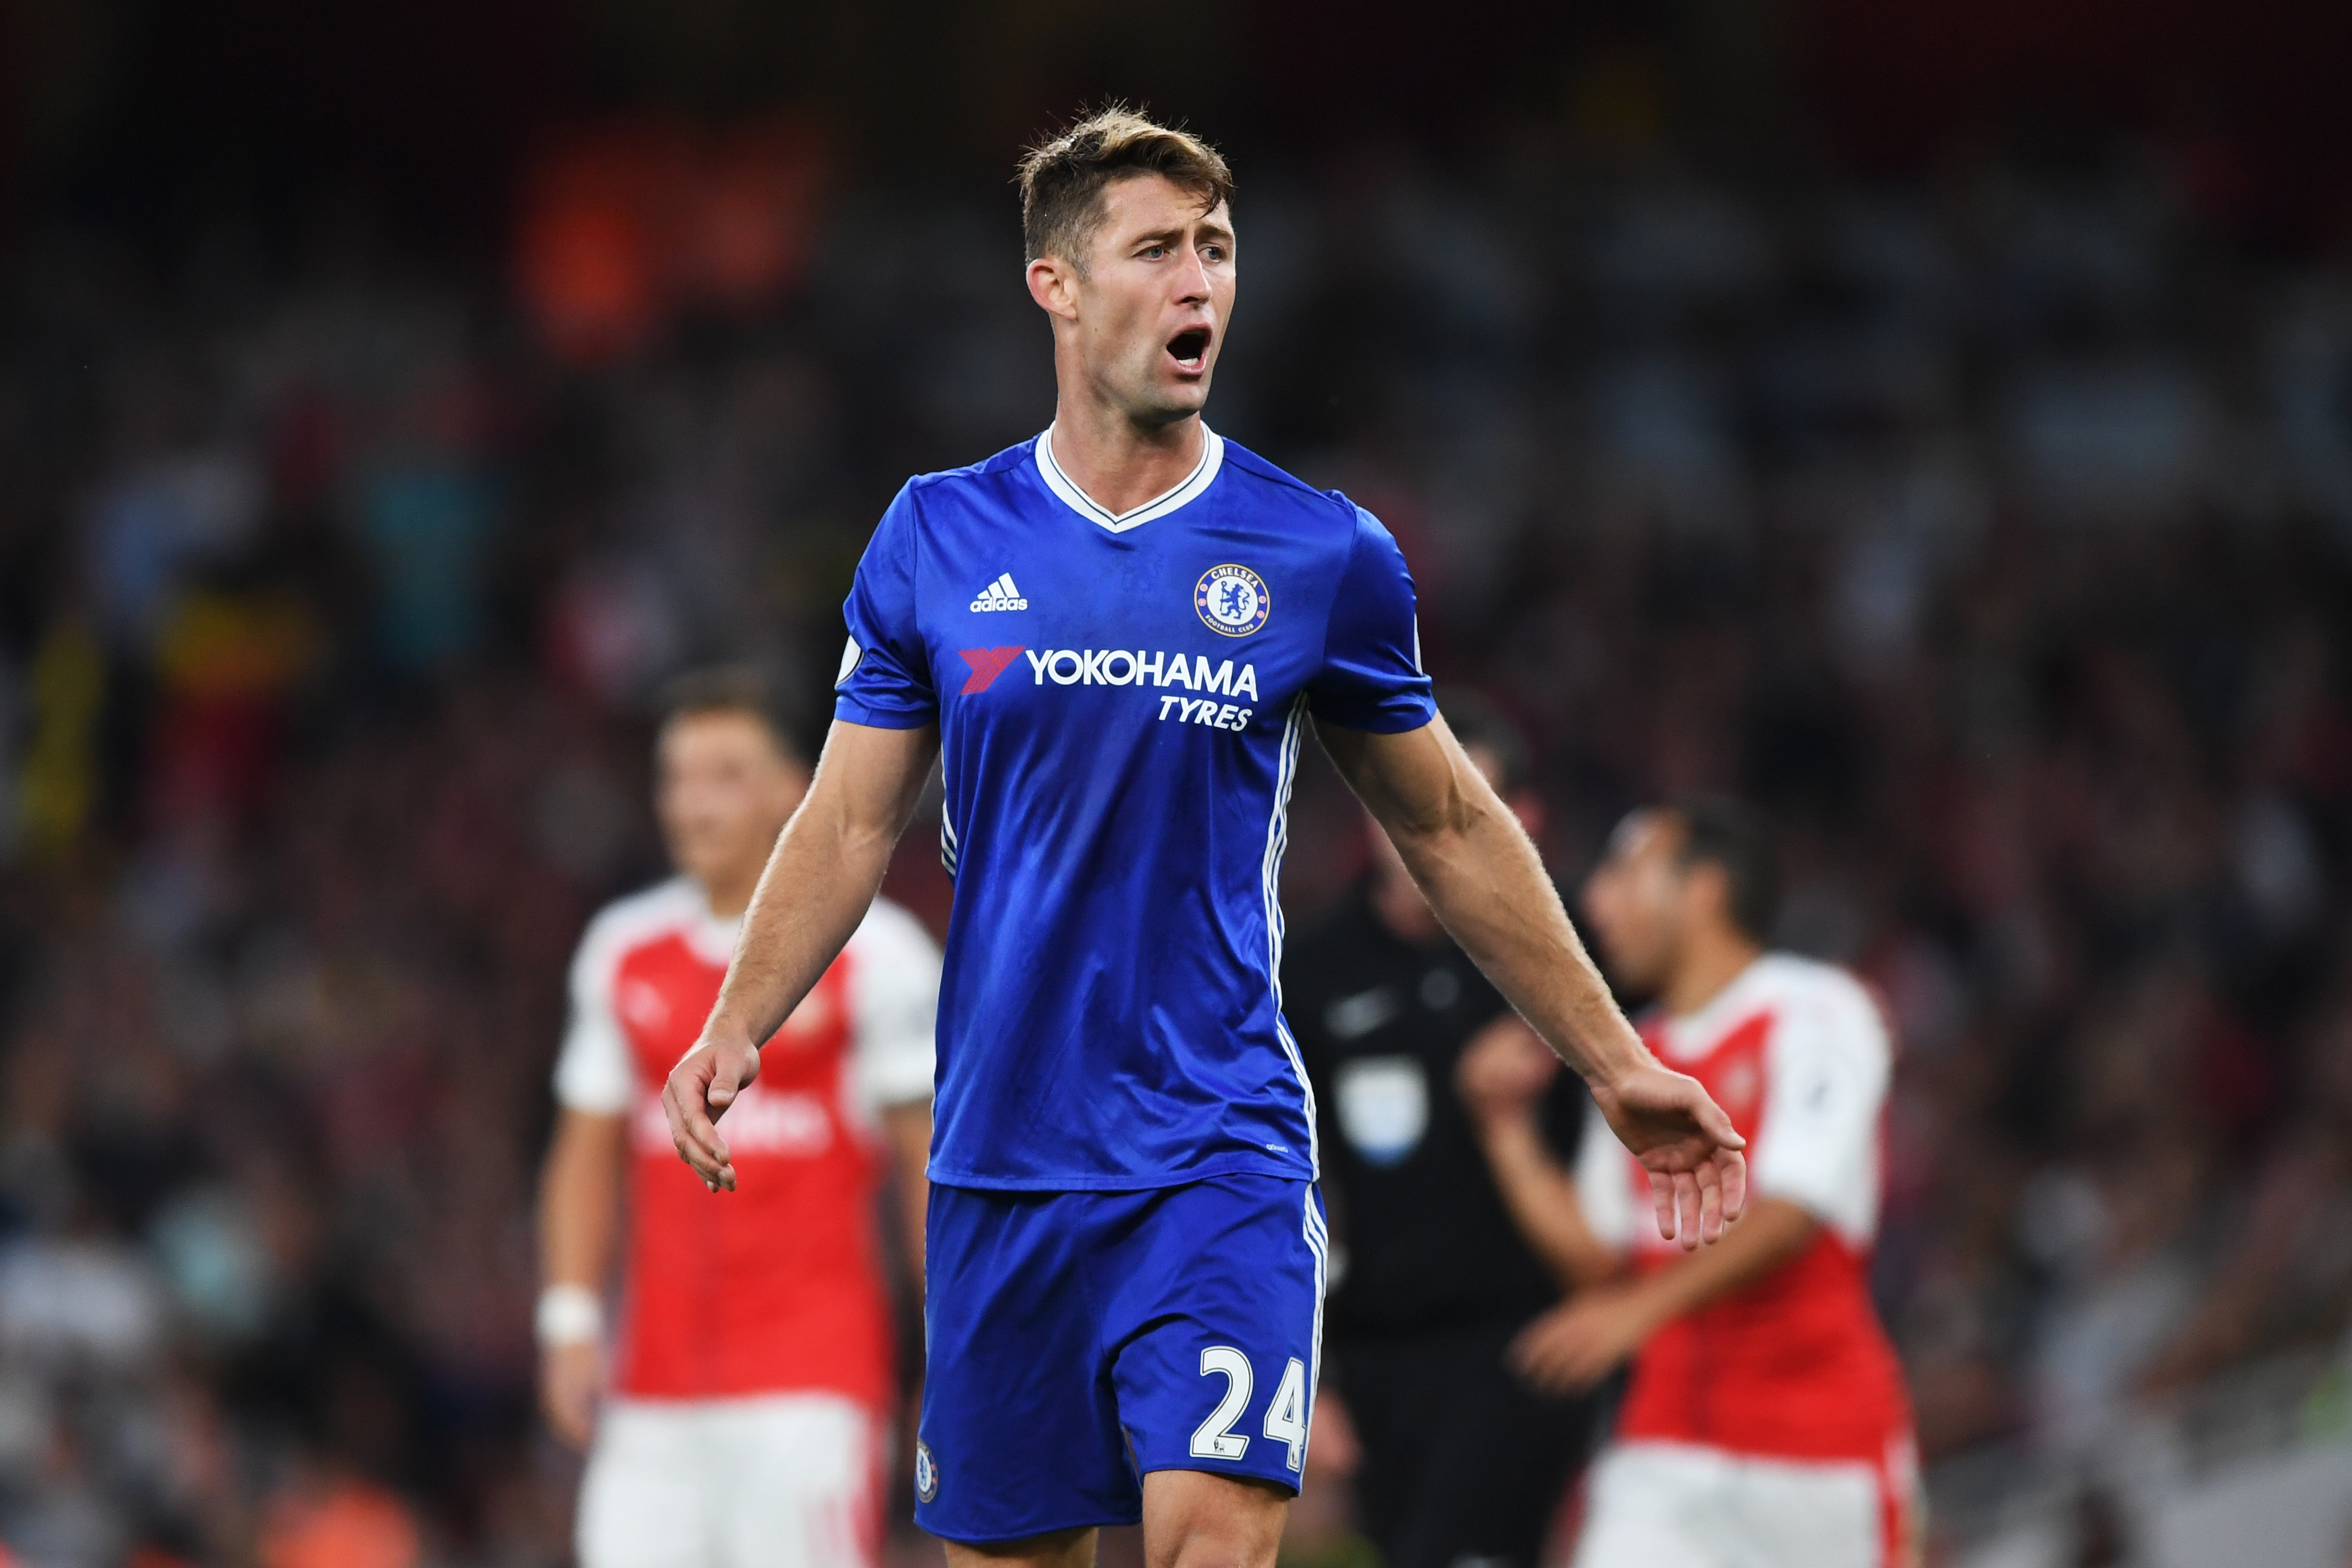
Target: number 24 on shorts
point(1286, 1418)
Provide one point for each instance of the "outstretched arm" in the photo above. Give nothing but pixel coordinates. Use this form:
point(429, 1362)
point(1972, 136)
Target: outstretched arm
point(1482, 877)
point(820, 879)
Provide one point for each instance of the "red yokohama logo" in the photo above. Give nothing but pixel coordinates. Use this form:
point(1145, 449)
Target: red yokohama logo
point(987, 664)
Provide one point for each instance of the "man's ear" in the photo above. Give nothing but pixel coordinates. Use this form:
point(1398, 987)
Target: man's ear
point(1053, 284)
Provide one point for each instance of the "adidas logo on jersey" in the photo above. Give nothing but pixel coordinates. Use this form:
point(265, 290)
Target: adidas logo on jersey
point(1001, 594)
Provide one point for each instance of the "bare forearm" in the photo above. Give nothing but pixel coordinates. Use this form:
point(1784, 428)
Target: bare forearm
point(822, 877)
point(1541, 1198)
point(818, 885)
point(580, 1200)
point(1486, 883)
point(1483, 878)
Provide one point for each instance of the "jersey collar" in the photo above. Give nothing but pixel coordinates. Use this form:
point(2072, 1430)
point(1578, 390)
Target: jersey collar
point(1203, 474)
point(710, 935)
point(1693, 1034)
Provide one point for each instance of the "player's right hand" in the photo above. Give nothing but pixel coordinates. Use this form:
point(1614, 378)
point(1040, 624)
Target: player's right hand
point(700, 1088)
point(571, 1376)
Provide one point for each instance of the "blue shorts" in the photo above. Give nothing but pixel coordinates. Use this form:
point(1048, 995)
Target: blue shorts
point(1078, 1341)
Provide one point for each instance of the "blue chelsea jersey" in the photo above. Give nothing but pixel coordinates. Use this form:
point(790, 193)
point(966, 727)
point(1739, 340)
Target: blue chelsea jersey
point(1120, 702)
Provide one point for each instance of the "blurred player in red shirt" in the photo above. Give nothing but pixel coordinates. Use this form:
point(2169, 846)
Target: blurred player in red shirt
point(1766, 1422)
point(751, 1380)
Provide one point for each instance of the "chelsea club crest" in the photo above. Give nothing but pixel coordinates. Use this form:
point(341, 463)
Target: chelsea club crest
point(927, 1473)
point(1233, 600)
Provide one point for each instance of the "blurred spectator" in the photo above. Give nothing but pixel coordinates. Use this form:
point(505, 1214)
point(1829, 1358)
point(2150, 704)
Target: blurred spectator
point(2283, 1277)
point(625, 223)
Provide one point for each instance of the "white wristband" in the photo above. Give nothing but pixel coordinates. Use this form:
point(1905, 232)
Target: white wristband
point(569, 1315)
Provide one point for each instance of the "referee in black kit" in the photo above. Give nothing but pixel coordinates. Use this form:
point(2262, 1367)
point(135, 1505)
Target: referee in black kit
point(1462, 1463)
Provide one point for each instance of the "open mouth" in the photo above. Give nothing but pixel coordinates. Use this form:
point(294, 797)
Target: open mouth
point(1190, 348)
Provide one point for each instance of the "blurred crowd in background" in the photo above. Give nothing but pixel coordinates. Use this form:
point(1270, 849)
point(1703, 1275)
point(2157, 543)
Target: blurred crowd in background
point(1994, 529)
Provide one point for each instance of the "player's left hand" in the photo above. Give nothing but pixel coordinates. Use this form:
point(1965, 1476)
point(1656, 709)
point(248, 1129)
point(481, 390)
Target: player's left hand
point(571, 1376)
point(1699, 1177)
point(1581, 1341)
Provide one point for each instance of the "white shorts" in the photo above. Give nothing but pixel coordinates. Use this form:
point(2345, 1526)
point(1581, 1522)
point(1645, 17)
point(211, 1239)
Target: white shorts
point(1657, 1503)
point(773, 1481)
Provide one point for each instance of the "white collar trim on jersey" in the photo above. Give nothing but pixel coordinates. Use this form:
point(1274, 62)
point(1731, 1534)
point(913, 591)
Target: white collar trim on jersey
point(1203, 474)
point(1695, 1034)
point(710, 935)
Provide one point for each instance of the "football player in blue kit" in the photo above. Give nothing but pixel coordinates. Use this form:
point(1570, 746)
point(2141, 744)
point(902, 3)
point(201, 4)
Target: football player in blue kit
point(1118, 633)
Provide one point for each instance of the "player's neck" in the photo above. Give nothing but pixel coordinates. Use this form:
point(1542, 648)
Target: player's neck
point(1710, 962)
point(1118, 463)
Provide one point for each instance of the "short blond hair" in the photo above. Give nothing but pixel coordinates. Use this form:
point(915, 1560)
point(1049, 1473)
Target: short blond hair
point(1063, 178)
